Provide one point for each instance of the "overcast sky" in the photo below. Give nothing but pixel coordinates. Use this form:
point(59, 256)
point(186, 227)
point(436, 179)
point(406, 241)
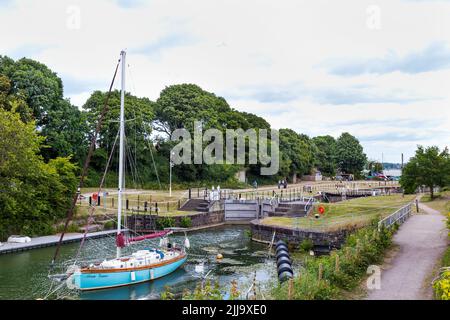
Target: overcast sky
point(377, 69)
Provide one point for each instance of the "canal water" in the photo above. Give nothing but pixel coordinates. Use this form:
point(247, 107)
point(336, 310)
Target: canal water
point(25, 275)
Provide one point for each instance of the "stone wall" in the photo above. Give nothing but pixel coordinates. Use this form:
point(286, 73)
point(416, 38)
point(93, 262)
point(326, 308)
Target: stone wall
point(333, 240)
point(146, 222)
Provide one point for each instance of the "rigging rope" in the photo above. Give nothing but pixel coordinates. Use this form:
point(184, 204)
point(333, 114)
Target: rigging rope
point(86, 164)
point(145, 131)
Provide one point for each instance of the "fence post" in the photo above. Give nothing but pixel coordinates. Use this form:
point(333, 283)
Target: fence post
point(291, 289)
point(320, 271)
point(336, 264)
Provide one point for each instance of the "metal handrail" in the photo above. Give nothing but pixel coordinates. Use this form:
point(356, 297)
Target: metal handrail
point(396, 216)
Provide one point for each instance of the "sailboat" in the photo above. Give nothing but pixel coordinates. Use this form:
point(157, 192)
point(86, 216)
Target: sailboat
point(140, 266)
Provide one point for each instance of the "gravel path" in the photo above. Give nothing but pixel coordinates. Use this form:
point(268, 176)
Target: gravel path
point(421, 241)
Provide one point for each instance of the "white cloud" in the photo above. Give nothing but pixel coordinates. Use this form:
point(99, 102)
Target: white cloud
point(263, 56)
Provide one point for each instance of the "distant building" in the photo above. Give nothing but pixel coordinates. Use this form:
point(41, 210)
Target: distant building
point(392, 172)
point(315, 176)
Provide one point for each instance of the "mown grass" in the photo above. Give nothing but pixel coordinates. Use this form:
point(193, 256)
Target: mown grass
point(353, 213)
point(441, 201)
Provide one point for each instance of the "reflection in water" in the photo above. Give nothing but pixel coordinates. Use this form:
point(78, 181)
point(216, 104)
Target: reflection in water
point(24, 275)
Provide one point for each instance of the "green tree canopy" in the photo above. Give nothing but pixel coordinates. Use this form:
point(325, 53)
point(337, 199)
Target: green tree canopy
point(297, 153)
point(33, 194)
point(429, 167)
point(325, 155)
point(350, 157)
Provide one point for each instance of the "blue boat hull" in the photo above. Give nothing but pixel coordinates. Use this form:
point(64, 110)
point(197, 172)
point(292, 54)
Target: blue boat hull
point(104, 280)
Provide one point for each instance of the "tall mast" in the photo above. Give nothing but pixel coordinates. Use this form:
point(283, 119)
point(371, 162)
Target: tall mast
point(122, 151)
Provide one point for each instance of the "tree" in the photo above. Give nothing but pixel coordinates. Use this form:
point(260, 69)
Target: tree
point(374, 166)
point(36, 93)
point(180, 106)
point(325, 155)
point(297, 153)
point(429, 167)
point(13, 102)
point(350, 157)
point(41, 87)
point(139, 114)
point(33, 194)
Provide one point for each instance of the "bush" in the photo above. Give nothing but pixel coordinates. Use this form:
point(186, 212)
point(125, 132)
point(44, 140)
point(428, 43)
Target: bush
point(306, 245)
point(166, 222)
point(442, 286)
point(186, 222)
point(361, 249)
point(109, 225)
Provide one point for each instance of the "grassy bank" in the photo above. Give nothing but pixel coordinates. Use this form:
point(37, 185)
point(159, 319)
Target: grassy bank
point(331, 277)
point(441, 286)
point(347, 214)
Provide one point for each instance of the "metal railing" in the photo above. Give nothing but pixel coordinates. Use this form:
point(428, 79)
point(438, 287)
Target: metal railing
point(398, 216)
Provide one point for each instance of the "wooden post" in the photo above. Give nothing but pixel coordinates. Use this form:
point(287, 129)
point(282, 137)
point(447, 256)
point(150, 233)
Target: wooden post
point(291, 289)
point(112, 202)
point(417, 205)
point(138, 206)
point(320, 271)
point(168, 208)
point(179, 204)
point(145, 206)
point(336, 265)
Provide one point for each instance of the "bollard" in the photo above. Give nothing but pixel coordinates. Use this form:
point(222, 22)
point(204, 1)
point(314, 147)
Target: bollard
point(90, 201)
point(127, 204)
point(98, 201)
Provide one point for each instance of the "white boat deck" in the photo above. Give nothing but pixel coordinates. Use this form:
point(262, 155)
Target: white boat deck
point(48, 241)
